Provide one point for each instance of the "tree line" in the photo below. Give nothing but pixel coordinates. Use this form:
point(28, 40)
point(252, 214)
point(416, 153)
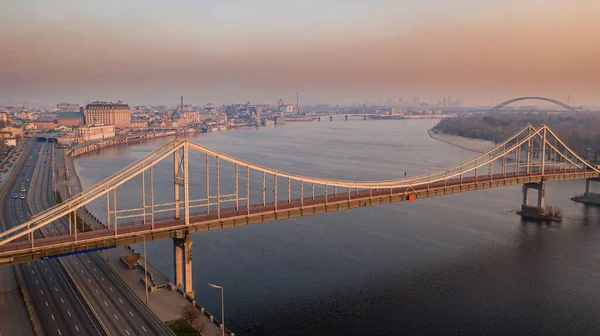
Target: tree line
point(580, 131)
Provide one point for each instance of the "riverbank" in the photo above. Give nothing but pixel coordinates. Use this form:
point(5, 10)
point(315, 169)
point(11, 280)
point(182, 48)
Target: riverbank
point(92, 146)
point(475, 145)
point(165, 301)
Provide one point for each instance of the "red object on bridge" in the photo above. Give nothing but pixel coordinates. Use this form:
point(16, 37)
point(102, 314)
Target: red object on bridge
point(411, 198)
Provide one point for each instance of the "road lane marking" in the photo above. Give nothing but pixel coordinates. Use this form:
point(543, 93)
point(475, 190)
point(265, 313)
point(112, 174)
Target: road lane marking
point(47, 304)
point(130, 313)
point(61, 300)
point(127, 332)
point(110, 289)
point(97, 292)
point(41, 291)
point(76, 328)
point(56, 289)
point(120, 300)
point(37, 282)
point(53, 317)
point(51, 279)
point(59, 332)
point(116, 317)
point(144, 329)
point(90, 281)
point(68, 312)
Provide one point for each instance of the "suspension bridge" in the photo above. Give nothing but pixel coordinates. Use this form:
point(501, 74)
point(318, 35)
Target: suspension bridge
point(213, 191)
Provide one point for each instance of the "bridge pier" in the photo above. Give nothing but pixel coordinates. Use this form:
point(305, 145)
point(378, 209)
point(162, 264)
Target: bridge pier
point(330, 118)
point(364, 117)
point(319, 119)
point(346, 117)
point(529, 210)
point(589, 197)
point(537, 211)
point(182, 257)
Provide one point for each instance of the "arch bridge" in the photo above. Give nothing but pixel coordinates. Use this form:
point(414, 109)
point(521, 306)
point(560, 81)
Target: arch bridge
point(213, 191)
point(553, 101)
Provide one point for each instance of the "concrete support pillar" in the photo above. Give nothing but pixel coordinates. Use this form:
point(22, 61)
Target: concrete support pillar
point(541, 195)
point(364, 117)
point(346, 117)
point(588, 186)
point(541, 189)
point(319, 119)
point(330, 118)
point(178, 261)
point(525, 195)
point(182, 250)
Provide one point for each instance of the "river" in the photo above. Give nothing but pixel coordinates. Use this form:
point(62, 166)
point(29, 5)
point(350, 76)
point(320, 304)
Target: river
point(456, 264)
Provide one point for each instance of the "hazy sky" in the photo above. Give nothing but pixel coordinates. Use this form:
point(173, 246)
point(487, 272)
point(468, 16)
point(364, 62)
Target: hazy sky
point(337, 51)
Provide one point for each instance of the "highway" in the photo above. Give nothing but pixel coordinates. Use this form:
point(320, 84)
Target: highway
point(58, 307)
point(119, 309)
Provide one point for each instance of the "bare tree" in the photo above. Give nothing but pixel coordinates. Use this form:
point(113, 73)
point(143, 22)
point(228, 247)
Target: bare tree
point(190, 314)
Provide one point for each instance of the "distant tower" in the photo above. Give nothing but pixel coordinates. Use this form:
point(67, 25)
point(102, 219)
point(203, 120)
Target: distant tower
point(181, 105)
point(297, 98)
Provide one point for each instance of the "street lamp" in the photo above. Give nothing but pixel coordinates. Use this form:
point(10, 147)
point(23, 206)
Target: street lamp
point(222, 306)
point(145, 268)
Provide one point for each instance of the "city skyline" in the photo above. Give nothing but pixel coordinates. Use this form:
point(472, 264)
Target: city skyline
point(331, 52)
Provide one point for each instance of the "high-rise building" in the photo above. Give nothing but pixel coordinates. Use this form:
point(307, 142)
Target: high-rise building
point(103, 113)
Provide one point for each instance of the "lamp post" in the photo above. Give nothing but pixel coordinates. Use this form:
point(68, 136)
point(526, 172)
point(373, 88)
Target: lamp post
point(145, 268)
point(222, 306)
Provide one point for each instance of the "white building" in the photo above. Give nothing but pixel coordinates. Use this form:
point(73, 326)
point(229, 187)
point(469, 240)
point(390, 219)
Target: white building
point(89, 133)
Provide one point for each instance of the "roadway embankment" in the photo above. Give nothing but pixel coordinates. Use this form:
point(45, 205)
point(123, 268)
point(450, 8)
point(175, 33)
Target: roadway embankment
point(19, 318)
point(475, 145)
point(93, 146)
point(165, 301)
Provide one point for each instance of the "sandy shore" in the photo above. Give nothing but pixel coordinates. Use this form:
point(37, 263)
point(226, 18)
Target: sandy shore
point(475, 145)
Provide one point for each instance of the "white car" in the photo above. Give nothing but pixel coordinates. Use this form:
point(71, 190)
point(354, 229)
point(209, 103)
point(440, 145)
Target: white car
point(23, 189)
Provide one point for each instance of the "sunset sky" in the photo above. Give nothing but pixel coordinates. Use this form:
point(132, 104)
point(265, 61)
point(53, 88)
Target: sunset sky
point(332, 51)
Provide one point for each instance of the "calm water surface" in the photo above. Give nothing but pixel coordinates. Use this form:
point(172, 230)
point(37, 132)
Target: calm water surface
point(457, 264)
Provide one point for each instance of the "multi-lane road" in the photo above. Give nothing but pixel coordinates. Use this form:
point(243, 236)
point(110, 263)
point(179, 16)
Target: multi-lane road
point(78, 294)
point(58, 307)
point(118, 308)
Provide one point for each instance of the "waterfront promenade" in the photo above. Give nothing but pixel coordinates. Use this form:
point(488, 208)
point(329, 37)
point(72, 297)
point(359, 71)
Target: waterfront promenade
point(166, 303)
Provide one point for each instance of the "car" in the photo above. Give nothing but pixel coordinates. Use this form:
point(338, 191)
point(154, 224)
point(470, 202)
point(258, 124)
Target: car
point(26, 180)
point(23, 173)
point(23, 189)
point(14, 195)
point(22, 196)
